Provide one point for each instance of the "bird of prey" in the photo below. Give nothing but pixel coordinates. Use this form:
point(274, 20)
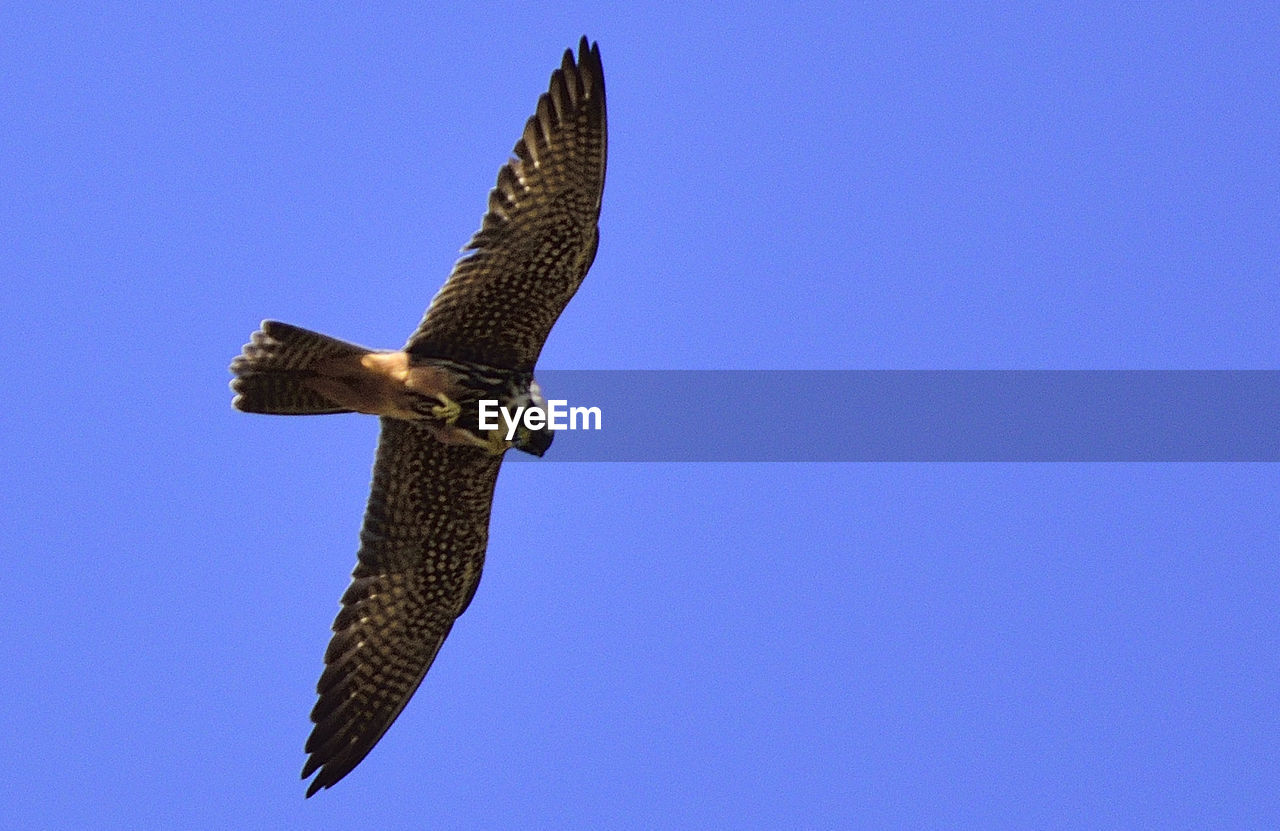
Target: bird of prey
point(426, 526)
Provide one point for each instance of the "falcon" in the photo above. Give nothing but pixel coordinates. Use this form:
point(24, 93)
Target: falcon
point(425, 530)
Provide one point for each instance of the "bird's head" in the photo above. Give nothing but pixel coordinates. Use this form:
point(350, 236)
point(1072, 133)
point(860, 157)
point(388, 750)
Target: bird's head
point(534, 442)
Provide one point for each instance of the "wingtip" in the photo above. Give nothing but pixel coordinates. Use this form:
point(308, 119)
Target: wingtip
point(589, 65)
point(320, 782)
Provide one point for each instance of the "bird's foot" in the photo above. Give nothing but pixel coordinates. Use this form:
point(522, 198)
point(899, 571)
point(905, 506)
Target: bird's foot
point(447, 410)
point(495, 443)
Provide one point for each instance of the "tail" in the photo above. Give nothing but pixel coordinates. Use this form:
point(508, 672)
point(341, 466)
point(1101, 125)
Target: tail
point(274, 371)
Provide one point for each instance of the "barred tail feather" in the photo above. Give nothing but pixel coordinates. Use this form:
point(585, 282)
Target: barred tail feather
point(274, 371)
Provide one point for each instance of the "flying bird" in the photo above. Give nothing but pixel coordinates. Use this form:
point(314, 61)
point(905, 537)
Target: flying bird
point(426, 526)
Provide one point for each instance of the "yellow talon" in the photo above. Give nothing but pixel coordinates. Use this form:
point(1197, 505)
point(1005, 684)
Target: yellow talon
point(447, 411)
point(497, 445)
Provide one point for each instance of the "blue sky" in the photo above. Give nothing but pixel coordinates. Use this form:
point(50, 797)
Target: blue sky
point(887, 186)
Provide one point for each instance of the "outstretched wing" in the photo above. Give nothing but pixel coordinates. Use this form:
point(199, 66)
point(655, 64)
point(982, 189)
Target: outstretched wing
point(538, 237)
point(421, 551)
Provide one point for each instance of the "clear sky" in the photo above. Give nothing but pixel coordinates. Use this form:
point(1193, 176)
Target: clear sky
point(824, 186)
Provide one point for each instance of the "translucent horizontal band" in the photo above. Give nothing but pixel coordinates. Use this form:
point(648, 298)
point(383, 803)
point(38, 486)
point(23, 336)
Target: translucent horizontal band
point(927, 415)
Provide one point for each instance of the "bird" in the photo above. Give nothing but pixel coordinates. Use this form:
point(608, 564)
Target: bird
point(425, 527)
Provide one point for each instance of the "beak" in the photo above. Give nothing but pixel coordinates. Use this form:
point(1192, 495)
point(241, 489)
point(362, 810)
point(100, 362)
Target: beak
point(538, 442)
